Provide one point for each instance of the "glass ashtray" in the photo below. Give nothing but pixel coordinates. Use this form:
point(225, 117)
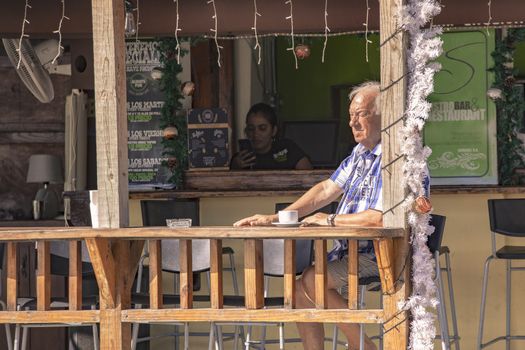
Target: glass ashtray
point(178, 223)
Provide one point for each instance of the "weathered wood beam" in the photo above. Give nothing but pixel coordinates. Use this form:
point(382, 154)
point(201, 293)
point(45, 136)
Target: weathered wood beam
point(109, 53)
point(253, 315)
point(253, 273)
point(289, 273)
point(155, 274)
point(110, 108)
point(75, 275)
point(216, 278)
point(393, 86)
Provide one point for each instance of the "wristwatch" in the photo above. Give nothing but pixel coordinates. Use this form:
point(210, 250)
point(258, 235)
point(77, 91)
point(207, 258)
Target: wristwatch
point(330, 219)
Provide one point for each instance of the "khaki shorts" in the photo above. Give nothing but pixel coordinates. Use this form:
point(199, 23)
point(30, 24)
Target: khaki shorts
point(339, 270)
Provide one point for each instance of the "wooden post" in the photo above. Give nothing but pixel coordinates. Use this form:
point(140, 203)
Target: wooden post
point(110, 108)
point(321, 276)
point(216, 290)
point(289, 273)
point(43, 276)
point(112, 159)
point(12, 276)
point(186, 274)
point(393, 86)
point(155, 274)
point(253, 273)
point(75, 275)
point(353, 274)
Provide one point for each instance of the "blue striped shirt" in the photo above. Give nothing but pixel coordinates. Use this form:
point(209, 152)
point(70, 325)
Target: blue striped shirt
point(359, 176)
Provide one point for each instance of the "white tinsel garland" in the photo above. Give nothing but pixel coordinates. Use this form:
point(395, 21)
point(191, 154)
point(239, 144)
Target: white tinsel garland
point(424, 47)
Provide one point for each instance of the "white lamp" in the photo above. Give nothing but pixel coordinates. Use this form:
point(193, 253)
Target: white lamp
point(45, 169)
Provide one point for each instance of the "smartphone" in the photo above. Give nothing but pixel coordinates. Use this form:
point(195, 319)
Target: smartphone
point(245, 145)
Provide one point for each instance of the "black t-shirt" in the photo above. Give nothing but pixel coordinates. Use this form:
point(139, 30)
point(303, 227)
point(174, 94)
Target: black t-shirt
point(284, 155)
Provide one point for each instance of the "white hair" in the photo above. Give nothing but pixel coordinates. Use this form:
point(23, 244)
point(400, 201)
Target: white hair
point(367, 85)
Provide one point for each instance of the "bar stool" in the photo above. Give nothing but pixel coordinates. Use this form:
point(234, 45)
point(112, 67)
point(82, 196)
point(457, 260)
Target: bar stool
point(434, 244)
point(506, 218)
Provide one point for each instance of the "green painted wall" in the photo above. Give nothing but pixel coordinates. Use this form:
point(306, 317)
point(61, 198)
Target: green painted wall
point(305, 92)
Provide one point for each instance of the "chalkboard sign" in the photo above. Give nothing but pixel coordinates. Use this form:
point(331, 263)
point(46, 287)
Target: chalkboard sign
point(208, 138)
point(145, 101)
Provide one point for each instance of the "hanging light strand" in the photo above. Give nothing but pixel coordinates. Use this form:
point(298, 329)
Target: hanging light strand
point(301, 35)
point(292, 35)
point(326, 29)
point(59, 31)
point(138, 20)
point(254, 28)
point(177, 30)
point(22, 34)
point(366, 30)
point(215, 32)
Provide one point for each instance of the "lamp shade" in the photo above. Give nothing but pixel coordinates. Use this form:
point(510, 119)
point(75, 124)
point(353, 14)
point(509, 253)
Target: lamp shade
point(44, 168)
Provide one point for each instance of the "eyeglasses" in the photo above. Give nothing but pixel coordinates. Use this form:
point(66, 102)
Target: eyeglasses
point(360, 114)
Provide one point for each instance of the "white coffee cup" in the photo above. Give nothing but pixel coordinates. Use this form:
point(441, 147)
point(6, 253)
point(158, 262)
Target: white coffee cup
point(288, 216)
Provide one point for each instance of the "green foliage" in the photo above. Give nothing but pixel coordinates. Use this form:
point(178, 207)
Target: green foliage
point(172, 113)
point(510, 109)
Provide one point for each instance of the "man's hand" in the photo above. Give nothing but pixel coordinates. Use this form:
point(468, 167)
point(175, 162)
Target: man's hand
point(257, 220)
point(318, 219)
point(243, 160)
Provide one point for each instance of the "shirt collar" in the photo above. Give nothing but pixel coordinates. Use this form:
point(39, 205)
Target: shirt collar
point(363, 151)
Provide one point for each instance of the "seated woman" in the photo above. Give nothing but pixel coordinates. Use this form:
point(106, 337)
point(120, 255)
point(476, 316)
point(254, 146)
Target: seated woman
point(266, 151)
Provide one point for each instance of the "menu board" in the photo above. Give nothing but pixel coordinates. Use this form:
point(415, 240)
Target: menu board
point(208, 138)
point(145, 101)
point(461, 129)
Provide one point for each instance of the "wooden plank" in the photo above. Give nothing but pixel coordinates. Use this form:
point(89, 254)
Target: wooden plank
point(393, 84)
point(253, 273)
point(50, 316)
point(271, 180)
point(321, 284)
point(103, 263)
point(110, 108)
point(155, 274)
point(31, 137)
point(186, 274)
point(43, 276)
point(136, 250)
point(253, 315)
point(219, 232)
point(289, 273)
point(384, 249)
point(353, 274)
point(75, 275)
point(216, 276)
point(12, 275)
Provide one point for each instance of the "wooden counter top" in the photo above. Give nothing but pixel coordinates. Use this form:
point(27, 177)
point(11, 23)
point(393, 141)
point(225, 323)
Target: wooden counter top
point(217, 232)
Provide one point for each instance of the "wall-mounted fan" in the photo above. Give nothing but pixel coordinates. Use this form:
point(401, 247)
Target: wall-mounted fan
point(35, 65)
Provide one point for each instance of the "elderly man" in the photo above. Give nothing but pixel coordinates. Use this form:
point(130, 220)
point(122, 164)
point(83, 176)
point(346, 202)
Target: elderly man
point(358, 180)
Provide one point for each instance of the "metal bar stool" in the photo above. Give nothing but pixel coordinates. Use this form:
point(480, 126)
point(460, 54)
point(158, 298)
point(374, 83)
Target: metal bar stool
point(506, 218)
point(434, 244)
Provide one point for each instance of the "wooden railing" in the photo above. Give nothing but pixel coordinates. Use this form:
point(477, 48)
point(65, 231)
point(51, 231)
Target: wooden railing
point(115, 254)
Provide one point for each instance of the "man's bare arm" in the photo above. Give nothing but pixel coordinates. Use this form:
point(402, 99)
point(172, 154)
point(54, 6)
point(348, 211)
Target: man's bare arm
point(368, 218)
point(315, 198)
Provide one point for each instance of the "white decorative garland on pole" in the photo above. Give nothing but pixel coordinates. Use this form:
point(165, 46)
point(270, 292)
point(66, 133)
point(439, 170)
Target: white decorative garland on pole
point(177, 29)
point(424, 47)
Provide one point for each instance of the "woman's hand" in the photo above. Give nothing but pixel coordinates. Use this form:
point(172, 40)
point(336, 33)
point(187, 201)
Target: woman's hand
point(257, 220)
point(318, 219)
point(243, 160)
